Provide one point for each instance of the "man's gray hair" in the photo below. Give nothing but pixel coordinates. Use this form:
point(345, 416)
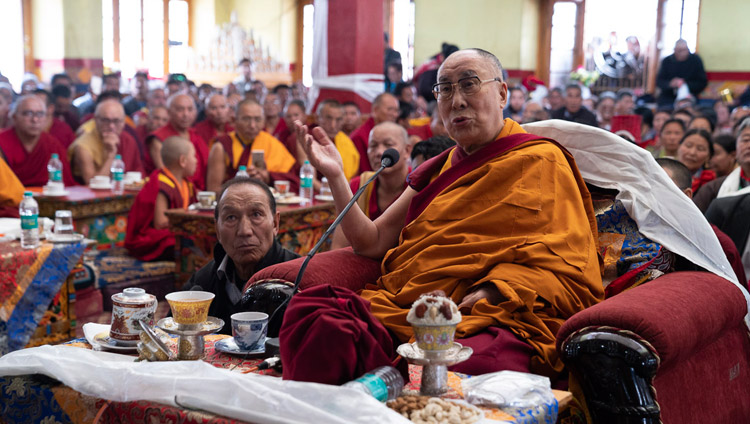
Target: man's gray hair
point(745, 123)
point(172, 98)
point(17, 103)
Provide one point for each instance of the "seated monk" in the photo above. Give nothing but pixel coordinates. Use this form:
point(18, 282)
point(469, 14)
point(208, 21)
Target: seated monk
point(11, 191)
point(27, 148)
point(156, 118)
point(272, 109)
point(148, 237)
point(93, 152)
point(217, 119)
point(246, 227)
point(390, 184)
point(182, 113)
point(54, 126)
point(331, 119)
point(503, 224)
point(235, 149)
point(384, 108)
point(294, 111)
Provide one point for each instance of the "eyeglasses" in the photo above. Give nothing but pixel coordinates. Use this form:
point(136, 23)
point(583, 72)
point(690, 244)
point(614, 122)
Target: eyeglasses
point(107, 121)
point(467, 85)
point(27, 114)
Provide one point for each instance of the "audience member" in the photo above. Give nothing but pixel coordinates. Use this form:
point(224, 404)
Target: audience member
point(428, 149)
point(235, 149)
point(514, 110)
point(669, 139)
point(4, 112)
point(283, 93)
point(737, 116)
point(61, 79)
point(385, 108)
point(53, 126)
point(295, 111)
point(138, 97)
point(533, 112)
point(217, 119)
point(92, 152)
point(182, 112)
point(154, 98)
point(176, 84)
point(352, 116)
point(702, 122)
point(272, 111)
point(683, 115)
point(696, 149)
point(555, 99)
point(722, 162)
point(680, 73)
point(390, 184)
point(625, 103)
point(62, 96)
point(405, 93)
point(27, 148)
point(723, 123)
point(246, 227)
point(244, 82)
point(330, 118)
point(111, 82)
point(573, 110)
point(605, 109)
point(394, 76)
point(148, 237)
point(158, 116)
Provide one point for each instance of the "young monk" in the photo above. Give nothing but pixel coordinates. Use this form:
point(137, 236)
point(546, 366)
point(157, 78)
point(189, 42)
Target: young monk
point(148, 237)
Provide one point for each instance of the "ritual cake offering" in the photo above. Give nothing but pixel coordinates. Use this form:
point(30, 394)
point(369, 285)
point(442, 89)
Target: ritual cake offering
point(434, 318)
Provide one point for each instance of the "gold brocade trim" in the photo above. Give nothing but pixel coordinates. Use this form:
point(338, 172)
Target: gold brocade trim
point(23, 283)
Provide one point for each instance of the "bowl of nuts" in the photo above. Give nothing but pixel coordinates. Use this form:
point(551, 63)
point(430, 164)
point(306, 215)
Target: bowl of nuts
point(425, 409)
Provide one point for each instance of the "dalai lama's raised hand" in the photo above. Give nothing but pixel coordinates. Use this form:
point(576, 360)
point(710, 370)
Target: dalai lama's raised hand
point(485, 291)
point(321, 151)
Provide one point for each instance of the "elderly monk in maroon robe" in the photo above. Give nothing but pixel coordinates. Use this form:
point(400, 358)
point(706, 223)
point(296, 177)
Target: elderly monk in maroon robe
point(157, 117)
point(182, 113)
point(148, 237)
point(27, 148)
point(502, 223)
point(384, 108)
point(217, 122)
point(54, 126)
point(93, 151)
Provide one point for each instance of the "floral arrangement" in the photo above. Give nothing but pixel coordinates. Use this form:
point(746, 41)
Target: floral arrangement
point(584, 77)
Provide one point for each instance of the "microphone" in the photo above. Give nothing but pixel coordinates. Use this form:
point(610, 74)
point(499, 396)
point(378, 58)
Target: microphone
point(390, 157)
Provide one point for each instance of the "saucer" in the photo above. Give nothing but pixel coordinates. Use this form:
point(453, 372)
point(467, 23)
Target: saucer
point(55, 194)
point(199, 207)
point(453, 355)
point(103, 340)
point(100, 186)
point(323, 198)
point(228, 345)
point(290, 200)
point(64, 238)
point(211, 325)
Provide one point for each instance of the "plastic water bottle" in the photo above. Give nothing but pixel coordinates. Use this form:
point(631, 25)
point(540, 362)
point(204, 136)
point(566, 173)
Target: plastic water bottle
point(306, 175)
point(118, 175)
point(383, 383)
point(54, 168)
point(242, 172)
point(29, 211)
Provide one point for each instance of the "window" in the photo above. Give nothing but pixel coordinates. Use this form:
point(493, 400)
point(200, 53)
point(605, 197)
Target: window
point(11, 32)
point(680, 21)
point(139, 43)
point(307, 44)
point(403, 35)
point(563, 42)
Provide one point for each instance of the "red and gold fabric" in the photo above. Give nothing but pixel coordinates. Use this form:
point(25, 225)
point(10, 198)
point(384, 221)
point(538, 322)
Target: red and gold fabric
point(11, 191)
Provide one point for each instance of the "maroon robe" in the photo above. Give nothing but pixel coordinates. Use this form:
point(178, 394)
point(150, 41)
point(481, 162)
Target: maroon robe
point(361, 138)
point(62, 132)
point(31, 168)
point(142, 240)
point(201, 153)
point(208, 132)
point(423, 132)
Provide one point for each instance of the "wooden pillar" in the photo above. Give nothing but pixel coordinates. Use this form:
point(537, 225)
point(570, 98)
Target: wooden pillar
point(354, 48)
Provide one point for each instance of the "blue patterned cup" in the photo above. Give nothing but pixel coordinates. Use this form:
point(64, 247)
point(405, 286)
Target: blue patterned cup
point(249, 330)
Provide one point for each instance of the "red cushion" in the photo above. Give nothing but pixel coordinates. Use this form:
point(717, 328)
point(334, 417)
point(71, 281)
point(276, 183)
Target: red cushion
point(339, 268)
point(678, 313)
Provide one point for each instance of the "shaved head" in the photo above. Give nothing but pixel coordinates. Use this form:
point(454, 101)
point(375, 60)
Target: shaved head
point(491, 58)
point(399, 133)
point(110, 106)
point(174, 147)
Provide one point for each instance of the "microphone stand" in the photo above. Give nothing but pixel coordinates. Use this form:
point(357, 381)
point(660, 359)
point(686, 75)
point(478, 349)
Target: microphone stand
point(323, 239)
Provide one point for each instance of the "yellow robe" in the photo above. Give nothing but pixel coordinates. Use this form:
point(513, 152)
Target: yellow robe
point(349, 154)
point(522, 221)
point(278, 158)
point(11, 189)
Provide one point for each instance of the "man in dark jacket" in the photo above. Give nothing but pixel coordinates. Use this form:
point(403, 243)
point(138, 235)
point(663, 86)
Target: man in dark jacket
point(573, 110)
point(678, 69)
point(246, 227)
